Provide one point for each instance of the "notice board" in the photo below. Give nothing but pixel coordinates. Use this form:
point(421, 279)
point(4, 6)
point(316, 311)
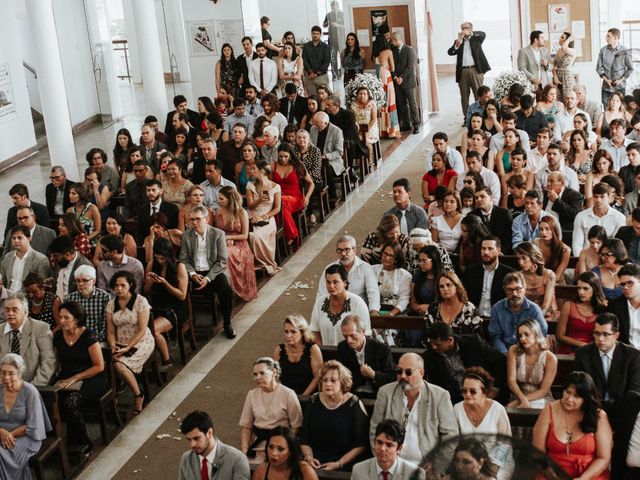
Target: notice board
point(579, 11)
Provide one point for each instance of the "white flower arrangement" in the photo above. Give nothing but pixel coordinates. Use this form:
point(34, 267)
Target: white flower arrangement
point(371, 83)
point(505, 80)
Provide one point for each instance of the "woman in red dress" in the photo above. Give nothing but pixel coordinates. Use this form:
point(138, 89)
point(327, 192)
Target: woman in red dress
point(289, 172)
point(575, 432)
point(441, 173)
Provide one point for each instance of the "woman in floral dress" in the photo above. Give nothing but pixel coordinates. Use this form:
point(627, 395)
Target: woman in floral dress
point(388, 115)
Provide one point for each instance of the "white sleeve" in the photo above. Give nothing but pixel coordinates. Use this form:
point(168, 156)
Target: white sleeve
point(404, 290)
point(371, 285)
point(314, 326)
point(360, 309)
point(252, 76)
point(578, 235)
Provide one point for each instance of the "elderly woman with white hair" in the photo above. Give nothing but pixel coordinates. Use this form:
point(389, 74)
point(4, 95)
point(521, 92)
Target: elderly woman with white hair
point(93, 299)
point(269, 151)
point(23, 419)
point(420, 238)
point(267, 406)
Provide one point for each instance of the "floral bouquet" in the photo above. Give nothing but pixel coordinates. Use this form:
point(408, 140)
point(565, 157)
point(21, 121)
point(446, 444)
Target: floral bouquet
point(371, 83)
point(505, 80)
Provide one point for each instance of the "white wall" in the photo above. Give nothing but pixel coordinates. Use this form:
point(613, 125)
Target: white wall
point(446, 24)
point(295, 15)
point(16, 135)
point(75, 52)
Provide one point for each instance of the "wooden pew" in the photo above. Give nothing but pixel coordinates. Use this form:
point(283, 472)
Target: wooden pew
point(56, 440)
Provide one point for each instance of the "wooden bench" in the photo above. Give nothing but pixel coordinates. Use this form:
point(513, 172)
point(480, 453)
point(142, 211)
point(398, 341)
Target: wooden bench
point(56, 440)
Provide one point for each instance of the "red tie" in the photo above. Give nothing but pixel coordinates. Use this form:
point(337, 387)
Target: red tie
point(204, 473)
point(385, 475)
point(261, 75)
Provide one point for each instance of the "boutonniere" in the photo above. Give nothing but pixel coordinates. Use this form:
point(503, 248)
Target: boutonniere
point(214, 468)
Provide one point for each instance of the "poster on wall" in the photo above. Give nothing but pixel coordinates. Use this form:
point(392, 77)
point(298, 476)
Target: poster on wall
point(7, 104)
point(379, 22)
point(231, 32)
point(558, 17)
point(201, 38)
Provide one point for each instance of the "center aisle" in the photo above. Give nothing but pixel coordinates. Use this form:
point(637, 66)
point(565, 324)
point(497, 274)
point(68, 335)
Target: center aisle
point(218, 378)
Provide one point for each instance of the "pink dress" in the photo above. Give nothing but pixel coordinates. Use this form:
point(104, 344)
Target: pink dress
point(240, 261)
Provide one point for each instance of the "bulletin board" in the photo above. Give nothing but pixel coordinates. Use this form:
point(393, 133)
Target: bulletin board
point(579, 11)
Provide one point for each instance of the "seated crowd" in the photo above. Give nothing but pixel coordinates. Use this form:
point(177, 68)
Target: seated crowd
point(469, 280)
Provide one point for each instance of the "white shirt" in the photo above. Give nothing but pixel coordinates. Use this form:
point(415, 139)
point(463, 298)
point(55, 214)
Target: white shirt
point(618, 154)
point(447, 236)
point(455, 160)
point(269, 73)
point(278, 120)
point(564, 120)
point(15, 284)
point(210, 458)
point(549, 208)
point(362, 282)
point(467, 57)
point(62, 285)
point(484, 308)
point(570, 177)
point(391, 471)
point(410, 450)
point(536, 161)
point(489, 178)
point(611, 221)
point(360, 353)
point(201, 262)
point(634, 325)
point(497, 141)
point(633, 454)
point(332, 334)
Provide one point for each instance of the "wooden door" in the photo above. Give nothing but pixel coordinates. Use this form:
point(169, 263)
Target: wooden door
point(397, 17)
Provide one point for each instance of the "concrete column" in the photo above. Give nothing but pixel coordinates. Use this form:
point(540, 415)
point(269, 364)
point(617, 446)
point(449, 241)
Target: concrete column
point(53, 94)
point(144, 13)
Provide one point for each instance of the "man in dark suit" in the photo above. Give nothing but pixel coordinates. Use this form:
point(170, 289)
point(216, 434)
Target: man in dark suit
point(629, 301)
point(497, 219)
point(135, 192)
point(19, 194)
point(155, 205)
point(180, 102)
point(41, 236)
point(614, 366)
point(565, 201)
point(150, 147)
point(625, 456)
point(445, 350)
point(630, 236)
point(207, 270)
point(369, 360)
point(56, 193)
point(483, 281)
point(292, 105)
point(405, 80)
point(227, 462)
point(471, 62)
point(243, 61)
point(345, 120)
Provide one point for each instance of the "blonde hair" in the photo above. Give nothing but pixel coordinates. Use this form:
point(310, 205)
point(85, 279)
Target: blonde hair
point(344, 375)
point(300, 323)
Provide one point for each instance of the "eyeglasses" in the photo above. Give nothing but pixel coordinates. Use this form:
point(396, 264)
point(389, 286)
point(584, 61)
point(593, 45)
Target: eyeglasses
point(407, 371)
point(603, 334)
point(340, 251)
point(25, 217)
point(514, 289)
point(471, 391)
point(55, 177)
point(628, 284)
point(261, 374)
point(196, 219)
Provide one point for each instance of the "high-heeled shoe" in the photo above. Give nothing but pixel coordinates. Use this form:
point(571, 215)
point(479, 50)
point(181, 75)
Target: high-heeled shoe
point(137, 411)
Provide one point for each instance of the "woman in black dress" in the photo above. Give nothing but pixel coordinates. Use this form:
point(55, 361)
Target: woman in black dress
point(81, 377)
point(300, 358)
point(335, 432)
point(165, 284)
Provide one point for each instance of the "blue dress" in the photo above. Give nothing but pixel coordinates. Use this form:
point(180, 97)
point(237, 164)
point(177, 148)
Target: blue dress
point(28, 410)
point(609, 293)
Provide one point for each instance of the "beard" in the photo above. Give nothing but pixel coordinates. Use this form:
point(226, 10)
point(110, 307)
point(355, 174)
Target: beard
point(405, 386)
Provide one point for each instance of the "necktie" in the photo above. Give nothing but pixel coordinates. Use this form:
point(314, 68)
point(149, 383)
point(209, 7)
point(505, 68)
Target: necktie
point(385, 475)
point(606, 363)
point(204, 472)
point(154, 210)
point(252, 109)
point(261, 75)
point(487, 219)
point(290, 114)
point(15, 342)
point(403, 223)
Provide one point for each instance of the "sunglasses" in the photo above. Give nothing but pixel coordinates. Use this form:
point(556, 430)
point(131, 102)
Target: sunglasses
point(407, 371)
point(471, 391)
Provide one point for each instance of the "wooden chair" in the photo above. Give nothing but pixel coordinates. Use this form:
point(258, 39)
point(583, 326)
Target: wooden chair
point(187, 327)
point(56, 440)
point(108, 400)
point(282, 249)
point(301, 223)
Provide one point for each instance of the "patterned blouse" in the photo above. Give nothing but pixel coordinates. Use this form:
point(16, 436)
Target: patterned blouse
point(312, 161)
point(371, 250)
point(466, 322)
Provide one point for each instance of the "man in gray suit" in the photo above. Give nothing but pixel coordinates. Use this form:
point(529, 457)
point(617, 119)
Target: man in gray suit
point(28, 260)
point(41, 237)
point(423, 409)
point(406, 83)
point(534, 60)
point(330, 140)
point(204, 254)
point(386, 448)
point(208, 455)
point(29, 338)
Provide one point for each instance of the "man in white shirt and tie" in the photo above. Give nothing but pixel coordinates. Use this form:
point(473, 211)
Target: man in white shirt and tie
point(22, 260)
point(263, 72)
point(409, 215)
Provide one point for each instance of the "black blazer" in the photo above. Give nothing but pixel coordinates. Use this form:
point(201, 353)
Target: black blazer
point(377, 355)
point(406, 63)
point(50, 197)
point(194, 120)
point(625, 234)
point(624, 370)
point(298, 111)
point(618, 306)
point(171, 210)
point(345, 120)
point(499, 225)
point(475, 352)
point(473, 277)
point(243, 69)
point(41, 212)
point(567, 206)
point(480, 60)
point(628, 410)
